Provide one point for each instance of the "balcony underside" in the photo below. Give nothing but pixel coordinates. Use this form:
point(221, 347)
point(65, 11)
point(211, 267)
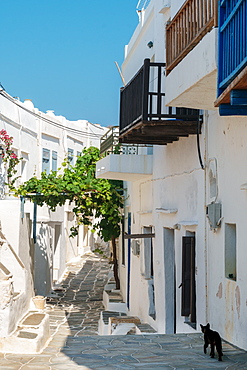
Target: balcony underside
point(159, 132)
point(195, 90)
point(124, 167)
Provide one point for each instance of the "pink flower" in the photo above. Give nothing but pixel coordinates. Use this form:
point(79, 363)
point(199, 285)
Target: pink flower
point(13, 155)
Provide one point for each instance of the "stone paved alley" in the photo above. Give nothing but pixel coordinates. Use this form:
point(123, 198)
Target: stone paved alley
point(75, 344)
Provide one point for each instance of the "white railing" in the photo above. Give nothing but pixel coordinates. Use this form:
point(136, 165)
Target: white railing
point(142, 4)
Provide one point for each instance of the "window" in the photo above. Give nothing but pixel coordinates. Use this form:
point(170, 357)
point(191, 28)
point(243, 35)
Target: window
point(23, 170)
point(71, 156)
point(54, 161)
point(25, 158)
point(46, 160)
point(230, 251)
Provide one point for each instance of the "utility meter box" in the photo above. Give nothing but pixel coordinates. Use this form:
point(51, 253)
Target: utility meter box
point(214, 215)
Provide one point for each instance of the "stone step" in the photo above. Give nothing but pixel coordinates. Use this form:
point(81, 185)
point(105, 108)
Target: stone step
point(105, 315)
point(113, 301)
point(31, 335)
point(145, 329)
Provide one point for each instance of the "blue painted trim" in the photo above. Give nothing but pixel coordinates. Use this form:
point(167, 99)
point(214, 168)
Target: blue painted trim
point(22, 206)
point(231, 15)
point(232, 45)
point(129, 261)
point(34, 222)
point(223, 84)
point(232, 110)
point(238, 97)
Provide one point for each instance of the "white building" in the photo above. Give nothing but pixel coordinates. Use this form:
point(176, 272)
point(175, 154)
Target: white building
point(35, 244)
point(191, 268)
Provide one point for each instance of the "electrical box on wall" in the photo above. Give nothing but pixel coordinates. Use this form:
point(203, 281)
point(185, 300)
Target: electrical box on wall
point(214, 215)
point(135, 245)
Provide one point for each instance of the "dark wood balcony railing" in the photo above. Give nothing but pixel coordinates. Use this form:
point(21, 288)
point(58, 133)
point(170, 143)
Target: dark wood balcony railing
point(144, 118)
point(109, 141)
point(187, 28)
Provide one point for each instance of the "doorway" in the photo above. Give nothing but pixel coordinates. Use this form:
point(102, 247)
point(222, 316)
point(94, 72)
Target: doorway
point(170, 281)
point(188, 306)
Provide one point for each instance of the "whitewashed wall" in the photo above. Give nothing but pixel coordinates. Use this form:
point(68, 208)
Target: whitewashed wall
point(227, 308)
point(33, 131)
point(225, 151)
point(177, 183)
point(175, 6)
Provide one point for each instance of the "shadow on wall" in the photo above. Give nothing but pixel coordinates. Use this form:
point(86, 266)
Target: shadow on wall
point(43, 261)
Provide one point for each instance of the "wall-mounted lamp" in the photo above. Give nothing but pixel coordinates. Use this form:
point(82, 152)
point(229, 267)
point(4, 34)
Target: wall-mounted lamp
point(150, 44)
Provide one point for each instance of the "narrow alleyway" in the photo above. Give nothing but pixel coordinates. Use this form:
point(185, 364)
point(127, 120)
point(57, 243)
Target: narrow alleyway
point(75, 344)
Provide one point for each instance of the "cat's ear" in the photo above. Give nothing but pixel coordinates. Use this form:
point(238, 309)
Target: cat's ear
point(208, 325)
point(201, 325)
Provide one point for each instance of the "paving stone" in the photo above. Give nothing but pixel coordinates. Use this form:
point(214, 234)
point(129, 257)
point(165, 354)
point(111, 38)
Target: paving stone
point(75, 344)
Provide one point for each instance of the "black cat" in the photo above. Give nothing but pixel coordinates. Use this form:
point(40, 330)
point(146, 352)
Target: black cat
point(213, 338)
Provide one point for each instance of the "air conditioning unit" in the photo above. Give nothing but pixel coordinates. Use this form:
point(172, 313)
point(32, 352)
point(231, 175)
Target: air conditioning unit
point(214, 215)
point(135, 245)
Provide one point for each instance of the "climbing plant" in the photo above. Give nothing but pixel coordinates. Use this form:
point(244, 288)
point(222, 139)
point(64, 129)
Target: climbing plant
point(9, 158)
point(96, 202)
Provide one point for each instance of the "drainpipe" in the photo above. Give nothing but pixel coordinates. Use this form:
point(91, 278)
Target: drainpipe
point(205, 217)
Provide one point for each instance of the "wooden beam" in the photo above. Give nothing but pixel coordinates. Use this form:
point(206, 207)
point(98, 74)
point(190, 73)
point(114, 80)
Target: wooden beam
point(139, 236)
point(149, 140)
point(167, 131)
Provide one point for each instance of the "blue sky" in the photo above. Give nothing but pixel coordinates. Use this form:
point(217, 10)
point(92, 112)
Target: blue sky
point(61, 53)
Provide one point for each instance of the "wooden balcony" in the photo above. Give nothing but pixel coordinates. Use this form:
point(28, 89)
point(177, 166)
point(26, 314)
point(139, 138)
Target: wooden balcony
point(232, 65)
point(187, 28)
point(144, 118)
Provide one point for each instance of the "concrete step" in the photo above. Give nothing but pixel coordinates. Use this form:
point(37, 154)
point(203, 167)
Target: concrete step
point(31, 335)
point(113, 301)
point(118, 323)
point(103, 327)
point(123, 325)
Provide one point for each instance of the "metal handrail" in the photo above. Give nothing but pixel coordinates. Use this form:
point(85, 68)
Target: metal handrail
point(142, 4)
point(109, 144)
